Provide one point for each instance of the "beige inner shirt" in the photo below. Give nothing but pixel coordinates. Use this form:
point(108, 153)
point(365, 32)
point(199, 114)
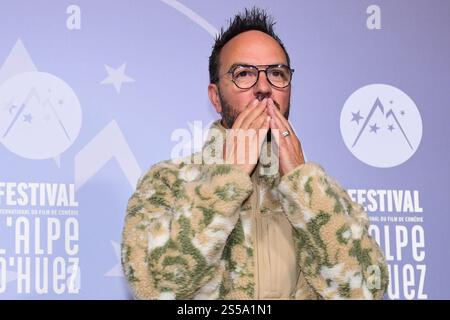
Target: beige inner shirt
point(276, 270)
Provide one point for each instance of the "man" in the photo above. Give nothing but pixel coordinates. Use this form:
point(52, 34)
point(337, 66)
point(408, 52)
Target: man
point(239, 230)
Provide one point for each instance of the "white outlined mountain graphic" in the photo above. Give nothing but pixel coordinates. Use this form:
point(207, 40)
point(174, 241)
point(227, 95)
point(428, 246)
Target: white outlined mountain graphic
point(47, 117)
point(381, 125)
point(32, 94)
point(34, 98)
point(379, 106)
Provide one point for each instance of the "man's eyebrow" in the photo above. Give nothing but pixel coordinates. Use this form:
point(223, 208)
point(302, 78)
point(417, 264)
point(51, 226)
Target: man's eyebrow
point(251, 64)
point(240, 64)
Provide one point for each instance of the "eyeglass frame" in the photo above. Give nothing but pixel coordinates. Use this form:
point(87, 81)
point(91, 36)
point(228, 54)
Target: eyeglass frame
point(257, 67)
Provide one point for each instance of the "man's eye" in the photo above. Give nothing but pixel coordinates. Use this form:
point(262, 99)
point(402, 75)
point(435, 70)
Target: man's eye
point(277, 74)
point(242, 74)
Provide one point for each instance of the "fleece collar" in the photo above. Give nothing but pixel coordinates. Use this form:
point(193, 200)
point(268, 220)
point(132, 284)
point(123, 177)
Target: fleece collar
point(266, 171)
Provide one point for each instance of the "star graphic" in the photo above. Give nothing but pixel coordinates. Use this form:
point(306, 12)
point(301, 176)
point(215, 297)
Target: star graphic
point(115, 271)
point(374, 128)
point(356, 117)
point(391, 127)
point(27, 118)
point(116, 77)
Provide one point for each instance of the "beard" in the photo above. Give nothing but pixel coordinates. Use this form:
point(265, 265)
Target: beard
point(229, 112)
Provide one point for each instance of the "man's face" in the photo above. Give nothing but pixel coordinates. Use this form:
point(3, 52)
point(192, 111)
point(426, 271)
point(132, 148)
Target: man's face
point(253, 48)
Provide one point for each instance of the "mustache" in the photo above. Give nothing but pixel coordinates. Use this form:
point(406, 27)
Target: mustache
point(229, 113)
point(276, 104)
point(261, 98)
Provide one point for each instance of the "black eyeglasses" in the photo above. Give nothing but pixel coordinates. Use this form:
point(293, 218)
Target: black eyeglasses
point(246, 76)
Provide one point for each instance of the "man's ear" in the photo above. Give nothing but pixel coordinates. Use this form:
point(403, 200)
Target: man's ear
point(213, 94)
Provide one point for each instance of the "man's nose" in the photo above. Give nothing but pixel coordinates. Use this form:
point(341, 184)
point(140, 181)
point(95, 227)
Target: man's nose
point(262, 88)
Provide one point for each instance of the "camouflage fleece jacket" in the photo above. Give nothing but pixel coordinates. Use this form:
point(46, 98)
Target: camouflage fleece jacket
point(188, 233)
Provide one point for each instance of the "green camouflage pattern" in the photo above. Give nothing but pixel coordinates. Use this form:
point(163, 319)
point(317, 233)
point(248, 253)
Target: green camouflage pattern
point(188, 232)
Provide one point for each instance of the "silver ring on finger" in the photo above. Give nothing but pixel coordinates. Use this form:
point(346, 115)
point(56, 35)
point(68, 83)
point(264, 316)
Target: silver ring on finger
point(286, 133)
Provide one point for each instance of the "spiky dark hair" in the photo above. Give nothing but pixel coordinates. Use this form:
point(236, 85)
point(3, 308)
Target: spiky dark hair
point(253, 19)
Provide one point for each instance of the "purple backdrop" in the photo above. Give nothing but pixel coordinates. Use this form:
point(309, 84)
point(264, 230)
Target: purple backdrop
point(113, 81)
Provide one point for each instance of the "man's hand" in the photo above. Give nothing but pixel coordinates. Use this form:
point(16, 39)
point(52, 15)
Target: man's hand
point(290, 150)
point(247, 135)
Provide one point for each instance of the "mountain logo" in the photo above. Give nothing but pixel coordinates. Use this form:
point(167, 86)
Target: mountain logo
point(40, 115)
point(381, 125)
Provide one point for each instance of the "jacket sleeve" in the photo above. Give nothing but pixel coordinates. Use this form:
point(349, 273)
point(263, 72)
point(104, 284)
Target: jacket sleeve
point(336, 254)
point(177, 224)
